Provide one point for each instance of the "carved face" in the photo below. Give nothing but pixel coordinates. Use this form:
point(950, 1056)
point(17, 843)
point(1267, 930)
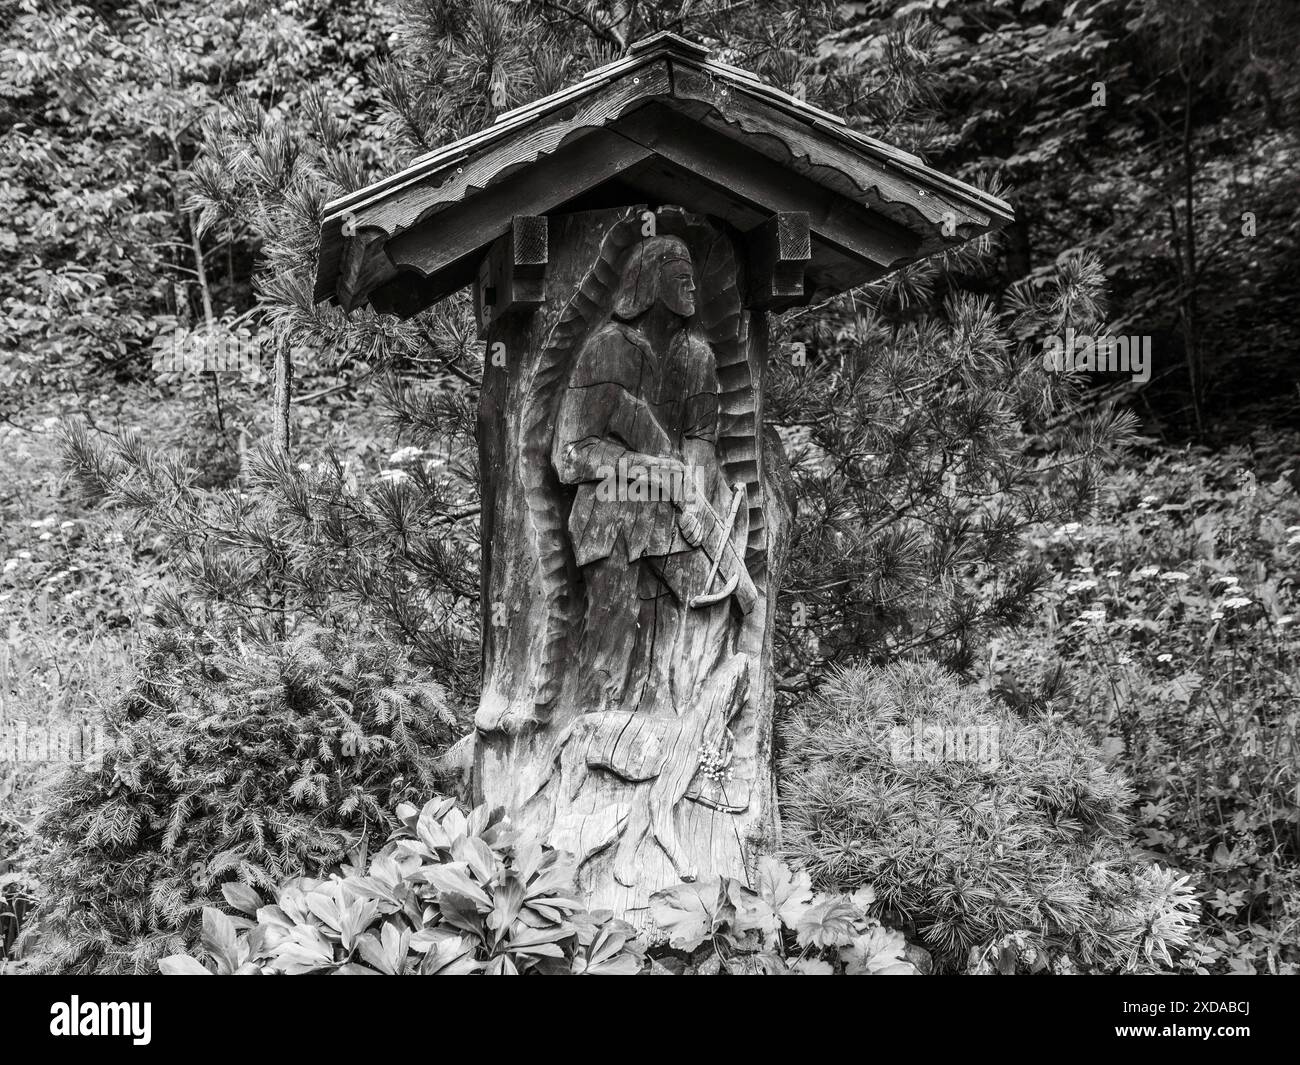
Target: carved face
point(657, 270)
point(677, 287)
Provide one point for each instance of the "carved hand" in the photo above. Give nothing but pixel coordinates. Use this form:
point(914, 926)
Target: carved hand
point(692, 528)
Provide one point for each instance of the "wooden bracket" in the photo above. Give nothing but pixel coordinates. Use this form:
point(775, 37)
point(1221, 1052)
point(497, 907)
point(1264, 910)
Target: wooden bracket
point(366, 265)
point(513, 275)
point(779, 251)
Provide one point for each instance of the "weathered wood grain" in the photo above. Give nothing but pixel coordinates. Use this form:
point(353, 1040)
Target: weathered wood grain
point(627, 725)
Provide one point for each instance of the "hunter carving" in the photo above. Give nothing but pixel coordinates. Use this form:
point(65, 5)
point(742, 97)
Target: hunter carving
point(641, 477)
point(637, 433)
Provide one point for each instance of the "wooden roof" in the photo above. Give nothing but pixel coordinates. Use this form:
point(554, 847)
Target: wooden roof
point(666, 124)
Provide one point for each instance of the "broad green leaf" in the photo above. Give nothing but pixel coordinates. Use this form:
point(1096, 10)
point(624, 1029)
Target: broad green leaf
point(429, 829)
point(452, 956)
point(813, 967)
point(476, 855)
point(242, 898)
point(829, 923)
point(373, 952)
point(325, 909)
point(273, 915)
point(501, 965)
point(305, 950)
point(182, 965)
point(687, 912)
point(453, 878)
point(622, 965)
point(222, 941)
point(880, 952)
point(507, 901)
point(788, 892)
point(351, 968)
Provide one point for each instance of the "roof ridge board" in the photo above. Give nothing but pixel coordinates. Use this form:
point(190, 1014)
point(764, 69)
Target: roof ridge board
point(668, 41)
point(734, 70)
point(611, 69)
point(663, 43)
point(746, 80)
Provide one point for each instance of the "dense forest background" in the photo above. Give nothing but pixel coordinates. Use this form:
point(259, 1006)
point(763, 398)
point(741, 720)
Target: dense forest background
point(1120, 555)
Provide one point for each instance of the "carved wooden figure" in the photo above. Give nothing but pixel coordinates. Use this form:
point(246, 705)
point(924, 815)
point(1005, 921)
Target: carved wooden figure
point(626, 239)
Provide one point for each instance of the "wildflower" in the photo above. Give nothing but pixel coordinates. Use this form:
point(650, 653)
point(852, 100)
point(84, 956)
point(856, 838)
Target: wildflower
point(1173, 576)
point(1068, 529)
point(1284, 621)
point(1226, 578)
point(1095, 616)
point(1166, 657)
point(1074, 587)
point(1111, 574)
point(1216, 615)
point(1236, 602)
point(10, 565)
point(394, 476)
point(1146, 573)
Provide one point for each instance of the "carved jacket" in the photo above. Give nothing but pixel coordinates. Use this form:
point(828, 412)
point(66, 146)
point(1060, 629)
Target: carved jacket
point(624, 401)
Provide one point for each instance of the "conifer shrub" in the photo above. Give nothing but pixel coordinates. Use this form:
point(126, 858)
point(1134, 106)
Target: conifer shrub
point(228, 761)
point(984, 835)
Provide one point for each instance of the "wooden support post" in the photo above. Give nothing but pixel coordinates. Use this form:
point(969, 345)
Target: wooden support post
point(633, 538)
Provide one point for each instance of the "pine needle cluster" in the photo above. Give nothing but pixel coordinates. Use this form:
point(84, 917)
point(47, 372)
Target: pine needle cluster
point(230, 760)
point(967, 849)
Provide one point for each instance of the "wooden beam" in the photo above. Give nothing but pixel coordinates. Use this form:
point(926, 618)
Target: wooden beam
point(743, 173)
point(365, 265)
point(444, 249)
point(517, 270)
point(657, 181)
point(779, 252)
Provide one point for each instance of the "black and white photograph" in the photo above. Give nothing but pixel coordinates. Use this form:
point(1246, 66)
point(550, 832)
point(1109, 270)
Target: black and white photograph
point(712, 487)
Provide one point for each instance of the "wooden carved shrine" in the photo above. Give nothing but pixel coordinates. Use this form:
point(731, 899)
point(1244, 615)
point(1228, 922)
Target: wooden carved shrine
point(626, 239)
